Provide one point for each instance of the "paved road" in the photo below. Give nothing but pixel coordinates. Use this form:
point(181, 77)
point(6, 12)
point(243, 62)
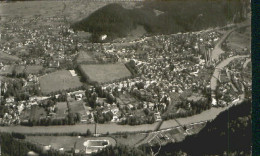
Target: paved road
point(246, 63)
point(217, 49)
point(219, 67)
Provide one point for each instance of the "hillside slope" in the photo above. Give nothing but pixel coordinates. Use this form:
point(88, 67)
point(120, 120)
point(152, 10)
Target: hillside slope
point(175, 16)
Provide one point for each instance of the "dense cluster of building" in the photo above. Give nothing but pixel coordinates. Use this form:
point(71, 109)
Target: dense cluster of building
point(43, 41)
point(234, 81)
point(160, 65)
point(164, 64)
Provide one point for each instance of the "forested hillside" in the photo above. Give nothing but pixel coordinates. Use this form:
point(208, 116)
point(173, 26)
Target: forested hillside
point(174, 16)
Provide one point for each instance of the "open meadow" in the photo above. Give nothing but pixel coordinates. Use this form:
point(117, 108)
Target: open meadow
point(29, 9)
point(59, 80)
point(73, 11)
point(240, 39)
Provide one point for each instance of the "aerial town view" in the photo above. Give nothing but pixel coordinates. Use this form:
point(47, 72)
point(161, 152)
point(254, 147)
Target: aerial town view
point(125, 78)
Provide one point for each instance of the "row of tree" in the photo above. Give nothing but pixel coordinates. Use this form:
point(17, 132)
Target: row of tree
point(70, 119)
point(136, 120)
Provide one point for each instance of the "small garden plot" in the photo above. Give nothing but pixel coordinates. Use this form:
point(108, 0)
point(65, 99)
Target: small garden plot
point(62, 109)
point(77, 107)
point(125, 99)
point(35, 113)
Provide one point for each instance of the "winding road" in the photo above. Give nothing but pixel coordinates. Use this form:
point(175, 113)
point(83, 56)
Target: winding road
point(246, 63)
point(219, 67)
point(217, 49)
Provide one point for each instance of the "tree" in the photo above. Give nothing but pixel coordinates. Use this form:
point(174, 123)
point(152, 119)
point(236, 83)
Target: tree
point(146, 111)
point(88, 133)
point(71, 120)
point(14, 74)
point(77, 117)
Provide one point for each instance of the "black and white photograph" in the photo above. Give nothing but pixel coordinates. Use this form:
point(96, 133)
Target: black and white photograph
point(125, 78)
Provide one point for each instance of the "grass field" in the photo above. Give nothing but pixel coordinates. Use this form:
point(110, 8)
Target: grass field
point(77, 107)
point(73, 11)
point(84, 57)
point(33, 69)
point(29, 8)
point(59, 80)
point(103, 73)
point(8, 69)
point(66, 142)
point(240, 39)
point(130, 140)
